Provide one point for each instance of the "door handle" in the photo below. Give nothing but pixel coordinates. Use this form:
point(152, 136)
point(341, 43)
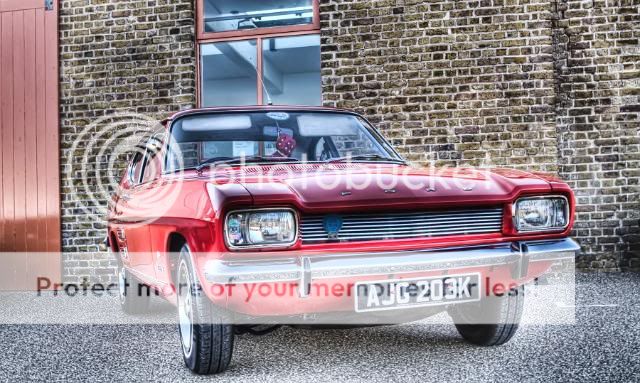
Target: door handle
point(125, 197)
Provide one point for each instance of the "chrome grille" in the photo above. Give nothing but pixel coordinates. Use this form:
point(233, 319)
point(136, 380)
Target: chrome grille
point(399, 225)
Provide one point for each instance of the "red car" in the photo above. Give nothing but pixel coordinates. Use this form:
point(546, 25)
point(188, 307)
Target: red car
point(254, 217)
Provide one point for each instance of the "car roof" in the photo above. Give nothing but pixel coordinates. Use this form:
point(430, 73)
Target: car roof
point(257, 108)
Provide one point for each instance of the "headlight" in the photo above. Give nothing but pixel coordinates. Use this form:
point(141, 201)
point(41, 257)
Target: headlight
point(261, 228)
point(541, 214)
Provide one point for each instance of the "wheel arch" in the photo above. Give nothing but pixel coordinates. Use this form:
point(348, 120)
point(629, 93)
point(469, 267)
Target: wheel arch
point(175, 241)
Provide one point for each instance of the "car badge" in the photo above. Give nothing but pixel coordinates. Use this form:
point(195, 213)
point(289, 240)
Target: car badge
point(468, 187)
point(332, 225)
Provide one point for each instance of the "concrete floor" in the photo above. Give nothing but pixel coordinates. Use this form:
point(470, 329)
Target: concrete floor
point(602, 345)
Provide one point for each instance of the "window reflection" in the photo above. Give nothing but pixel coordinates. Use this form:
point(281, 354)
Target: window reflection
point(229, 73)
point(233, 15)
point(291, 70)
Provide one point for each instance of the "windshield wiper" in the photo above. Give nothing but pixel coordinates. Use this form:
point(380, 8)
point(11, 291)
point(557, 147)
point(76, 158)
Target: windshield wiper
point(217, 161)
point(367, 157)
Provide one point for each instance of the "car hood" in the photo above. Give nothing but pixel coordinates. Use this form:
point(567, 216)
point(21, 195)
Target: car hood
point(354, 186)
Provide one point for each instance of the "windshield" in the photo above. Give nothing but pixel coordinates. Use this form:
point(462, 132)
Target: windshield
point(273, 137)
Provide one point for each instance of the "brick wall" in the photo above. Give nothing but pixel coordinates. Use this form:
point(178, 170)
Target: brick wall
point(532, 84)
point(549, 85)
point(598, 125)
point(448, 81)
point(117, 58)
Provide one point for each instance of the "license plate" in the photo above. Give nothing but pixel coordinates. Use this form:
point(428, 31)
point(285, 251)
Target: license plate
point(409, 293)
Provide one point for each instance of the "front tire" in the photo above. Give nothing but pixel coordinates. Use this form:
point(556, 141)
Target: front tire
point(207, 341)
point(491, 322)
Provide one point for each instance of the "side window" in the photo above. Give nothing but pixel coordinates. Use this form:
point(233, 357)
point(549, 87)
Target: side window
point(135, 169)
point(153, 161)
point(325, 149)
point(321, 152)
point(353, 145)
point(152, 168)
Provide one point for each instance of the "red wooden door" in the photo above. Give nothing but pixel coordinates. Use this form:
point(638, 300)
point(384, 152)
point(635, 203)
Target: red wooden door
point(29, 151)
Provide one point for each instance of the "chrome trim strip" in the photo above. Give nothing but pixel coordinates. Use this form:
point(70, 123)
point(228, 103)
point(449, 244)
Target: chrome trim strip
point(410, 229)
point(304, 269)
point(550, 250)
point(400, 236)
point(407, 224)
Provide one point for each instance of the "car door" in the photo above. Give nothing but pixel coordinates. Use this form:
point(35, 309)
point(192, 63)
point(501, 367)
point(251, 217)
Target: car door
point(133, 216)
point(150, 204)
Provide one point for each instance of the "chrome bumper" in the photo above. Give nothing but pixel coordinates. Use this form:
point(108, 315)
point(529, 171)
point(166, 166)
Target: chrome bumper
point(305, 268)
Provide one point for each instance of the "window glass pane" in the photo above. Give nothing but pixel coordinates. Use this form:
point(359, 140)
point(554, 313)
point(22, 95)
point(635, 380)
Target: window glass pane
point(153, 168)
point(229, 73)
point(136, 168)
point(291, 70)
point(233, 15)
point(274, 136)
